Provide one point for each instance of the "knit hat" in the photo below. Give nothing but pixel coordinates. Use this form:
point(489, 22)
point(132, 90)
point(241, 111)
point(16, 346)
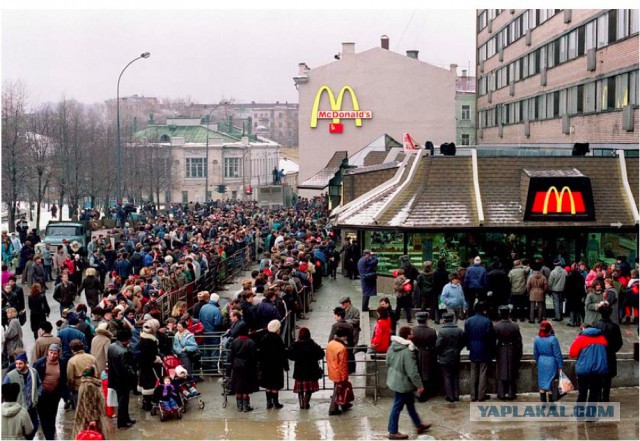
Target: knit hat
point(54, 347)
point(181, 371)
point(22, 356)
point(214, 297)
point(557, 262)
point(273, 326)
point(73, 320)
point(477, 260)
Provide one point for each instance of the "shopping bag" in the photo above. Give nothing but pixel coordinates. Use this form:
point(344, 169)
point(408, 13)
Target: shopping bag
point(344, 393)
point(90, 433)
point(112, 398)
point(564, 383)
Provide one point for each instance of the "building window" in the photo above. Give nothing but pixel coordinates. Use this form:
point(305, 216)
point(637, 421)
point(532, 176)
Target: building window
point(590, 35)
point(465, 139)
point(603, 30)
point(482, 20)
point(590, 97)
point(466, 112)
point(633, 87)
point(232, 167)
point(634, 18)
point(195, 168)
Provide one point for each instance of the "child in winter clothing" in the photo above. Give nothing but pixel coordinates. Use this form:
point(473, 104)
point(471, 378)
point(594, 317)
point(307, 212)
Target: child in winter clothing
point(166, 394)
point(184, 384)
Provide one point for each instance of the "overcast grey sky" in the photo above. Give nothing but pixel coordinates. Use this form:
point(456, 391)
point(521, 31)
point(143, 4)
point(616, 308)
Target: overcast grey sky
point(247, 55)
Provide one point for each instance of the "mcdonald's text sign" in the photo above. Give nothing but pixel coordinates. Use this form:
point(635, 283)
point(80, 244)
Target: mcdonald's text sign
point(556, 199)
point(336, 112)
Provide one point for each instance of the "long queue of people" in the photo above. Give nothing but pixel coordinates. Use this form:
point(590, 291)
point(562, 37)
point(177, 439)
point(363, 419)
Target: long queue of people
point(121, 331)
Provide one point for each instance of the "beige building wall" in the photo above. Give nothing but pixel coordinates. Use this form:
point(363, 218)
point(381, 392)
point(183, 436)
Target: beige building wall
point(404, 94)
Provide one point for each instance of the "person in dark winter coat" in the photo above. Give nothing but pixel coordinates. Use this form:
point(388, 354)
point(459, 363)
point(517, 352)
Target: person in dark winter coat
point(92, 288)
point(440, 279)
point(39, 309)
point(499, 286)
point(451, 340)
point(481, 341)
point(574, 294)
point(425, 287)
point(339, 314)
point(267, 310)
point(149, 361)
point(121, 375)
point(590, 349)
point(65, 293)
point(508, 356)
point(272, 356)
point(306, 372)
point(243, 365)
point(475, 283)
point(351, 259)
point(424, 339)
point(611, 332)
point(367, 267)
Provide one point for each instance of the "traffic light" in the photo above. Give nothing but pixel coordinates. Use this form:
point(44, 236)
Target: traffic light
point(222, 188)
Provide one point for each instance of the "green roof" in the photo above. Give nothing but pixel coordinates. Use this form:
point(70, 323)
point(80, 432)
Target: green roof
point(192, 134)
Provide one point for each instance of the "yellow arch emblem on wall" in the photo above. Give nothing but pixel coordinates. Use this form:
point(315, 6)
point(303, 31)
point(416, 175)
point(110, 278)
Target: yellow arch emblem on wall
point(335, 105)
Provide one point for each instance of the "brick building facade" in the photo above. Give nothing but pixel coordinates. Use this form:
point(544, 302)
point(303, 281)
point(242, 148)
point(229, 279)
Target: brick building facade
point(552, 76)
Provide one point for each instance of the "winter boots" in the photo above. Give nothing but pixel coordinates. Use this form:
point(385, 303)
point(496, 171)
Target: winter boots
point(246, 405)
point(272, 400)
point(240, 403)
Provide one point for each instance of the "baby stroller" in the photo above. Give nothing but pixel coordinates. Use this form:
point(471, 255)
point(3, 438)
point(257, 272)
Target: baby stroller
point(185, 386)
point(166, 401)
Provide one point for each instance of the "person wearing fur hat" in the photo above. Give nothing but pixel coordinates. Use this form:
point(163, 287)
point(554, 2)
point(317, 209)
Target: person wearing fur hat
point(100, 345)
point(149, 361)
point(272, 355)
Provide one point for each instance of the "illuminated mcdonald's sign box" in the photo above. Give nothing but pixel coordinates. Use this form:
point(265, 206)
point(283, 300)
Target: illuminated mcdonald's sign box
point(560, 198)
point(336, 113)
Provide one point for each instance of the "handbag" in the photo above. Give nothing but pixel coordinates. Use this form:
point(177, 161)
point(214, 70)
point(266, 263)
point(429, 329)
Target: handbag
point(90, 433)
point(344, 393)
point(194, 355)
point(22, 317)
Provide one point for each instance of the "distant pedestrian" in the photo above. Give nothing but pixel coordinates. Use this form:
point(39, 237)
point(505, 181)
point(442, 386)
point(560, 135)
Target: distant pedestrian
point(451, 340)
point(338, 367)
point(306, 354)
point(453, 298)
point(367, 267)
point(481, 341)
point(475, 284)
point(611, 332)
point(424, 339)
point(548, 357)
point(590, 350)
point(508, 355)
point(403, 379)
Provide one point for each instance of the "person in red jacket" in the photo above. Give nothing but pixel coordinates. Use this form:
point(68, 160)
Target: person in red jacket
point(382, 332)
point(590, 348)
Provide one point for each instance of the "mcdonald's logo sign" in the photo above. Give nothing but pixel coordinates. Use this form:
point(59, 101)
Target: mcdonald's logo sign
point(563, 202)
point(336, 113)
point(560, 199)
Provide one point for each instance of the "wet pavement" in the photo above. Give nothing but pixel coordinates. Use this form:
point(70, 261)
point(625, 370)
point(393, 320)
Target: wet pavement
point(367, 419)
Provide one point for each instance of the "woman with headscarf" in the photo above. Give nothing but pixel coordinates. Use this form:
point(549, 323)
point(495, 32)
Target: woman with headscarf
point(149, 360)
point(242, 361)
point(91, 405)
point(272, 356)
point(548, 357)
point(306, 354)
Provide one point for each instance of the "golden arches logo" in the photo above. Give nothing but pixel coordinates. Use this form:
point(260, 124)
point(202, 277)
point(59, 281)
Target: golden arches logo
point(559, 196)
point(336, 112)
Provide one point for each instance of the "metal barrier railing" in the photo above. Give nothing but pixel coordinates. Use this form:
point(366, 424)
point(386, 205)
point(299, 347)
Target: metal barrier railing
point(212, 279)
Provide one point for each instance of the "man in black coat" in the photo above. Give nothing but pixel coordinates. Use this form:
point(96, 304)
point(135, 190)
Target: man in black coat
point(424, 338)
point(122, 375)
point(499, 286)
point(451, 340)
point(612, 334)
point(509, 354)
point(340, 323)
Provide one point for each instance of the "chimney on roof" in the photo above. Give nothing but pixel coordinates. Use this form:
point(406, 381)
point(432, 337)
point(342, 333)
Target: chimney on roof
point(348, 50)
point(384, 42)
point(412, 54)
point(303, 69)
point(464, 73)
point(453, 68)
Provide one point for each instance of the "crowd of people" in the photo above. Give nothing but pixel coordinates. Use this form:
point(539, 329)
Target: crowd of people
point(122, 336)
point(122, 333)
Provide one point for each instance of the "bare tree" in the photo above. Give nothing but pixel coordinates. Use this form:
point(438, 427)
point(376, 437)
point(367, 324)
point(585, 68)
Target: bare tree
point(14, 102)
point(39, 151)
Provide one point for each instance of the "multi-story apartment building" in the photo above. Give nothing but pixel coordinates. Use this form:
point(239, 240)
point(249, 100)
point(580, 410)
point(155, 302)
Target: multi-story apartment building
point(465, 109)
point(553, 76)
point(277, 121)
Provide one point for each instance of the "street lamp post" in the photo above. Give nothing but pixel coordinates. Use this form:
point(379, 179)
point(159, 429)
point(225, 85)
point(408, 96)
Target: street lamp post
point(206, 153)
point(118, 155)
